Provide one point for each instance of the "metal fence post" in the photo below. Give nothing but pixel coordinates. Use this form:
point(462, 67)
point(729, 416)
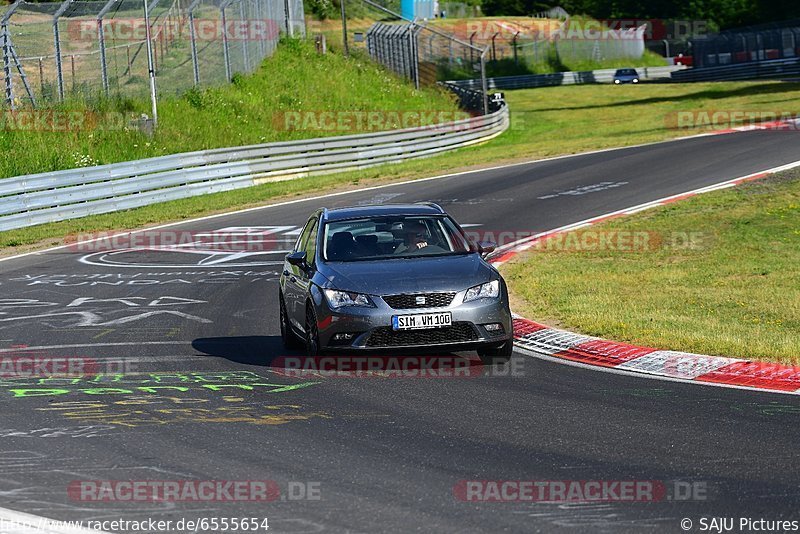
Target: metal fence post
point(410, 31)
point(9, 84)
point(150, 65)
point(260, 19)
point(344, 29)
point(412, 36)
point(59, 70)
point(102, 42)
point(193, 42)
point(288, 16)
point(516, 61)
point(245, 54)
point(484, 84)
point(225, 51)
point(5, 35)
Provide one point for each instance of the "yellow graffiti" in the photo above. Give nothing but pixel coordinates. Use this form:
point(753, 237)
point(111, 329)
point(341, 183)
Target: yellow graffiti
point(165, 410)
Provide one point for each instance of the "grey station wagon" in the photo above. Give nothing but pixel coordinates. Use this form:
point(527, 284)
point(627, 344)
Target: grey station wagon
point(392, 277)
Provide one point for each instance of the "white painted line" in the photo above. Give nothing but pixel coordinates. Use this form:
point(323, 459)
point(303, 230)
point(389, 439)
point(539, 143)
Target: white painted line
point(361, 190)
point(641, 207)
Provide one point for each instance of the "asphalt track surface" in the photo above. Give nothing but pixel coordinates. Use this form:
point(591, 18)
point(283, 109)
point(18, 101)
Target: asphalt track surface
point(384, 454)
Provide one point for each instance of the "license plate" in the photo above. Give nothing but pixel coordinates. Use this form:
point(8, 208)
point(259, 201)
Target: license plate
point(421, 320)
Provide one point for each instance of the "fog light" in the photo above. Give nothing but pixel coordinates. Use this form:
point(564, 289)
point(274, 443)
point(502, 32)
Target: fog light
point(343, 336)
point(494, 329)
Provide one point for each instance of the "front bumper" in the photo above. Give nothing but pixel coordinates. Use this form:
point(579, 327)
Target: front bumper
point(371, 328)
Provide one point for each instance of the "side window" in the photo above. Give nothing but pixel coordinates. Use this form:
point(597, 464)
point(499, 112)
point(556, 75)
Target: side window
point(310, 246)
point(301, 241)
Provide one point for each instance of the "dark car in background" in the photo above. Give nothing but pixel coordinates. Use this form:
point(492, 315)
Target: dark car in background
point(387, 277)
point(626, 76)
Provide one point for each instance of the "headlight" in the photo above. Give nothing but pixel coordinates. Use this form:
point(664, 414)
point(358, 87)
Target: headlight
point(339, 299)
point(489, 290)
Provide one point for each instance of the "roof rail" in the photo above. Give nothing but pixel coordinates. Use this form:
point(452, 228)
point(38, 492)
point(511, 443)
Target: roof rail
point(432, 205)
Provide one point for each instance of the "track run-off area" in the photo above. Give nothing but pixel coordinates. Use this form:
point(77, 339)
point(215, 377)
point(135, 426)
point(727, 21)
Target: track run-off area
point(183, 340)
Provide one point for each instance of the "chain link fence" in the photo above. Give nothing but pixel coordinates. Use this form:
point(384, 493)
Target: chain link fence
point(550, 41)
point(84, 49)
point(750, 44)
point(426, 55)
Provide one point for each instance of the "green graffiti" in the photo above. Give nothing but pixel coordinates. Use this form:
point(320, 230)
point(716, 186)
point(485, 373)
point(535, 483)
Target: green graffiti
point(43, 392)
point(134, 379)
point(772, 408)
point(38, 392)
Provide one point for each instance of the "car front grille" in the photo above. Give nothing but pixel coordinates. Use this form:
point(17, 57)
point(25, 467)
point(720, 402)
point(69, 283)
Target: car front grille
point(385, 336)
point(409, 301)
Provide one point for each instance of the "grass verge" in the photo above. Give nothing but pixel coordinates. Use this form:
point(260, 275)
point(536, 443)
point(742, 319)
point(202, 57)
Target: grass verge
point(720, 276)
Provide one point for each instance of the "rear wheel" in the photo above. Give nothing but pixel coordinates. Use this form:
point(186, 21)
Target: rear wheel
point(290, 340)
point(312, 332)
point(496, 355)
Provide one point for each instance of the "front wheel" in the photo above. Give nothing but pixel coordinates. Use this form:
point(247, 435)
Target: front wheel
point(312, 333)
point(290, 340)
point(496, 355)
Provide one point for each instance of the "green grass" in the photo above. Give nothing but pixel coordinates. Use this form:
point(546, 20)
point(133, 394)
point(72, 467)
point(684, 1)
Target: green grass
point(735, 292)
point(249, 111)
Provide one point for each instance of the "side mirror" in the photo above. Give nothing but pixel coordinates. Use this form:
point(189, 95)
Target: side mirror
point(298, 259)
point(486, 247)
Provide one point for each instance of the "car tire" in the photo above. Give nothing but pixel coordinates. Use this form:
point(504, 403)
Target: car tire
point(312, 333)
point(288, 337)
point(496, 355)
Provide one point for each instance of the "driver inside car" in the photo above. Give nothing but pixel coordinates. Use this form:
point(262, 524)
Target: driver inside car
point(415, 237)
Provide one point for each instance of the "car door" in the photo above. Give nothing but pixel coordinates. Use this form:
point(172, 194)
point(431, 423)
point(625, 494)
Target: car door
point(303, 276)
point(293, 289)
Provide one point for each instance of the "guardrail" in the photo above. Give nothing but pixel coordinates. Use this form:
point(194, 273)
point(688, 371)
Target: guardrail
point(776, 68)
point(529, 81)
point(47, 197)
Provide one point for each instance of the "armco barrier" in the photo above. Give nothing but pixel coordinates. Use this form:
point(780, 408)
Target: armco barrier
point(529, 81)
point(41, 198)
point(777, 68)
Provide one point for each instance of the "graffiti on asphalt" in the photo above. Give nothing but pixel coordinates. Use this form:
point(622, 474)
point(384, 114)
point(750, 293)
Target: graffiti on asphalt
point(145, 383)
point(161, 410)
point(94, 312)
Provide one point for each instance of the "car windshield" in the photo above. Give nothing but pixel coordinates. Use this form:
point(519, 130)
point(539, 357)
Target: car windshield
point(626, 72)
point(376, 238)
